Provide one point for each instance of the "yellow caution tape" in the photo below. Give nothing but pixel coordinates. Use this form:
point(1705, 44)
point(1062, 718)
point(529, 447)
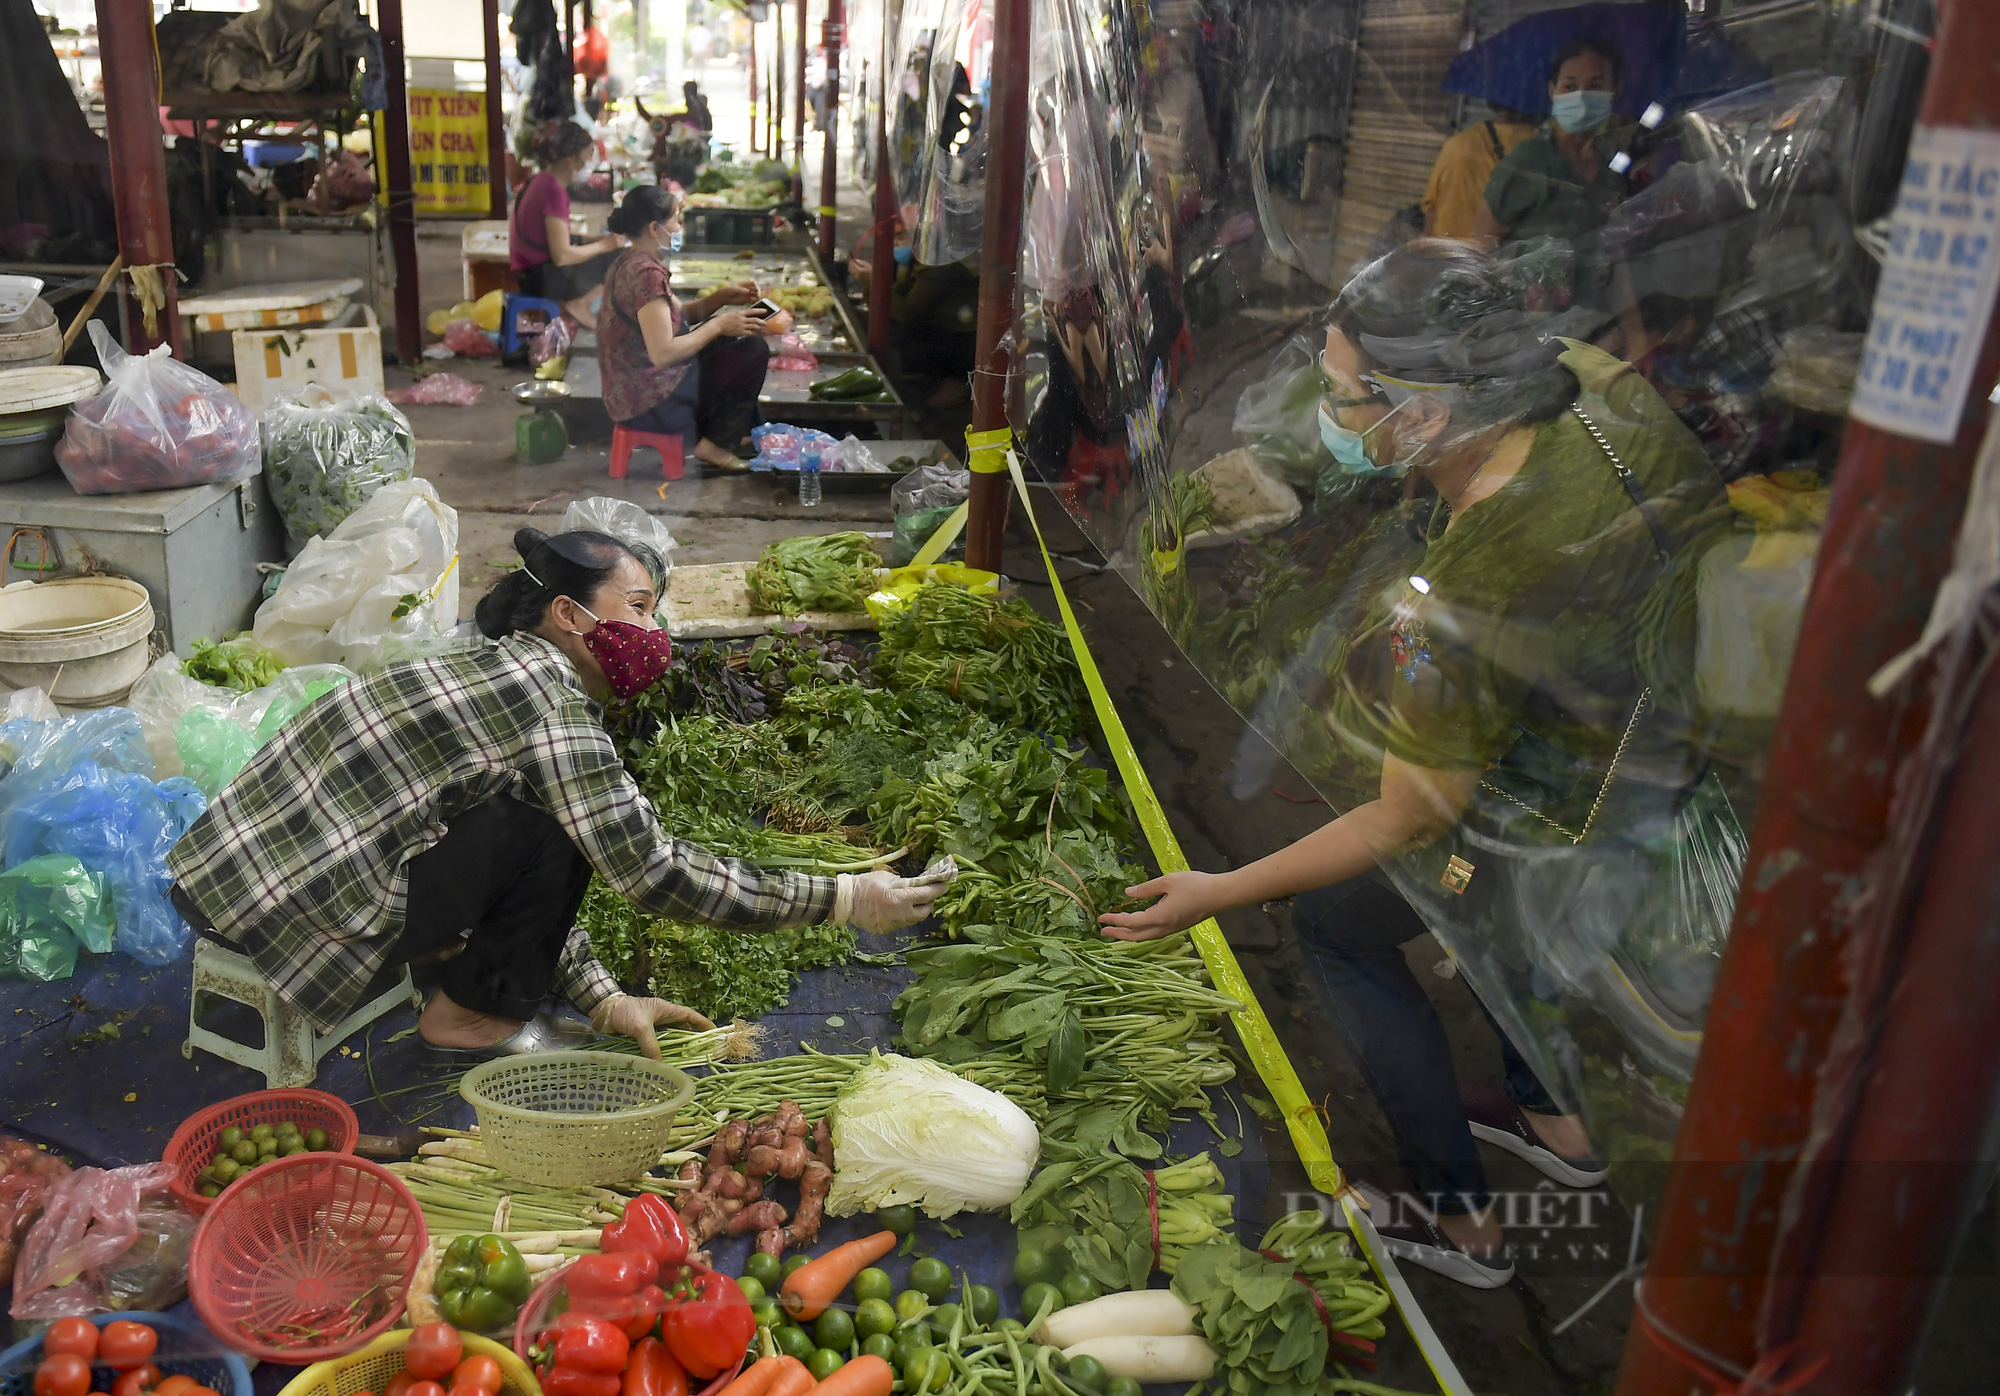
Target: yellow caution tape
point(989, 450)
point(1260, 1043)
point(943, 537)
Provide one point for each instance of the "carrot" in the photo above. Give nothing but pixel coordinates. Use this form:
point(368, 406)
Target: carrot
point(810, 1288)
point(792, 1380)
point(865, 1375)
point(756, 1378)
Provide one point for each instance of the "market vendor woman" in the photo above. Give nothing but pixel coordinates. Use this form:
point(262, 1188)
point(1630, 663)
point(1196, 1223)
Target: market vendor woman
point(460, 803)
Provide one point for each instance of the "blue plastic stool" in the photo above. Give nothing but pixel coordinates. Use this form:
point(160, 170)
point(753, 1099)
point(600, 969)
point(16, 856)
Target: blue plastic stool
point(510, 319)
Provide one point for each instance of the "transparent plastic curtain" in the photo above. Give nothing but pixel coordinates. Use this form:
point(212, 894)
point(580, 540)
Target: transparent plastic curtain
point(944, 198)
point(861, 61)
point(1509, 566)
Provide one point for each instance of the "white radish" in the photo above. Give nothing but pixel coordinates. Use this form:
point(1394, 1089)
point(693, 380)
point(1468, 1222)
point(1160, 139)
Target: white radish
point(1152, 1358)
point(1139, 1313)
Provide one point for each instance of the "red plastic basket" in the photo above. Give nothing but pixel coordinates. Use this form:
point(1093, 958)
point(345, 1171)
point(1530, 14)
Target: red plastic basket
point(307, 1258)
point(535, 1316)
point(193, 1144)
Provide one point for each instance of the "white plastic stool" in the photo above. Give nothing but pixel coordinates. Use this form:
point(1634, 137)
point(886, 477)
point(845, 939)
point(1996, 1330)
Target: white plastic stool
point(291, 1051)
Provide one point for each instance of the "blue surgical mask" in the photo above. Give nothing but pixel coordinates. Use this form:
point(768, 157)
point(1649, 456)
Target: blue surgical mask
point(905, 256)
point(1577, 112)
point(674, 241)
point(1350, 447)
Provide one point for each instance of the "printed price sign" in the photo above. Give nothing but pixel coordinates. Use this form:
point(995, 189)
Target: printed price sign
point(1936, 293)
point(448, 151)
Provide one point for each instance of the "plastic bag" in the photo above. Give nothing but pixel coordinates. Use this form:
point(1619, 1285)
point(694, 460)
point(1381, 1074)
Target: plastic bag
point(29, 702)
point(789, 354)
point(381, 587)
point(162, 697)
point(1752, 600)
point(1277, 416)
point(89, 1221)
point(50, 907)
point(152, 1273)
point(922, 500)
point(26, 1176)
point(443, 388)
point(629, 524)
point(550, 346)
point(781, 446)
point(157, 425)
point(212, 749)
point(467, 340)
point(325, 457)
point(855, 458)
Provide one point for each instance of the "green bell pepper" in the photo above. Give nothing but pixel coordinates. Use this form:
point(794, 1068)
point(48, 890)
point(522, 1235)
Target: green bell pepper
point(481, 1283)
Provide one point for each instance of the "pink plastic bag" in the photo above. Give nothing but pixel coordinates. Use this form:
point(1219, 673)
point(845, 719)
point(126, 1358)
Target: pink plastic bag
point(789, 353)
point(157, 425)
point(552, 343)
point(465, 338)
point(446, 388)
point(91, 1218)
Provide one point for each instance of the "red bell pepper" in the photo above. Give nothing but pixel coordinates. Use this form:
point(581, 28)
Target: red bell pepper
point(596, 1281)
point(653, 1371)
point(567, 1381)
point(587, 1344)
point(709, 1333)
point(649, 1225)
point(646, 1307)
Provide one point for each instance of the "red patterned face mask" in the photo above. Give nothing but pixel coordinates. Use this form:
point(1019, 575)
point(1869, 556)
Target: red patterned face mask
point(633, 657)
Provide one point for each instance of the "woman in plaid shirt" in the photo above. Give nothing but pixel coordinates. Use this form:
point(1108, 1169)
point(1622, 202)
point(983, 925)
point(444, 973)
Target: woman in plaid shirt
point(459, 804)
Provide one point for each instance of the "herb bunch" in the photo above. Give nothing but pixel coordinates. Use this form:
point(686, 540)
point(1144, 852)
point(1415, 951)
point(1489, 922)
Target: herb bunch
point(822, 572)
point(998, 657)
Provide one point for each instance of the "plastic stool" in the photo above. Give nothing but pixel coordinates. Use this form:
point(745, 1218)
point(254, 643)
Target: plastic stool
point(291, 1051)
point(511, 311)
point(667, 443)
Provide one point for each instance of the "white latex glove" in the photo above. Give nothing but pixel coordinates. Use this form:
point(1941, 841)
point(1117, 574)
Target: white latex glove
point(629, 1016)
point(881, 902)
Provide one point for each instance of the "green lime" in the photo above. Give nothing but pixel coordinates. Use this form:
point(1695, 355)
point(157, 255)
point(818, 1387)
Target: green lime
point(1079, 1288)
point(1039, 1267)
point(767, 1312)
point(873, 1316)
point(927, 1370)
point(1035, 1296)
point(262, 1132)
point(834, 1329)
point(244, 1151)
point(823, 1363)
point(911, 1341)
point(316, 1140)
point(1011, 1325)
point(230, 1137)
point(873, 1284)
point(984, 1303)
point(795, 1262)
point(1085, 1372)
point(882, 1345)
point(942, 1319)
point(211, 1190)
point(1124, 1386)
point(793, 1341)
point(224, 1170)
point(267, 1148)
point(931, 1277)
point(901, 1220)
point(752, 1287)
point(286, 1127)
point(766, 1270)
point(292, 1144)
point(910, 1303)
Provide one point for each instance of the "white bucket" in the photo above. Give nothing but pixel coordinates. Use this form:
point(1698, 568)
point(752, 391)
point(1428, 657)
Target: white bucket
point(82, 640)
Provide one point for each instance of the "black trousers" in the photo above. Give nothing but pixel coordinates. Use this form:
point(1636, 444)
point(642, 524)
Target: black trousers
point(717, 397)
point(509, 875)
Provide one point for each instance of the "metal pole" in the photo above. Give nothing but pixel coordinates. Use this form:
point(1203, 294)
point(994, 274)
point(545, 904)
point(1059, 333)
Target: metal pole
point(138, 161)
point(402, 198)
point(756, 136)
point(1006, 170)
point(882, 277)
point(832, 33)
point(778, 79)
point(1783, 984)
point(799, 111)
point(496, 120)
point(569, 32)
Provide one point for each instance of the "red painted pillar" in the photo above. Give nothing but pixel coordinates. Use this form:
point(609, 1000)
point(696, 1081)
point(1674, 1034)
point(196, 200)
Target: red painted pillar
point(832, 34)
point(799, 111)
point(402, 199)
point(1783, 984)
point(1006, 169)
point(138, 159)
point(496, 120)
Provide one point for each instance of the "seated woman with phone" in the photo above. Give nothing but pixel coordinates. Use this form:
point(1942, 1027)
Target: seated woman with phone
point(693, 370)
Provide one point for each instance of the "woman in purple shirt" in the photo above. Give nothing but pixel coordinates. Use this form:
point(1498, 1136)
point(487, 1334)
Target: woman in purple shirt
point(545, 262)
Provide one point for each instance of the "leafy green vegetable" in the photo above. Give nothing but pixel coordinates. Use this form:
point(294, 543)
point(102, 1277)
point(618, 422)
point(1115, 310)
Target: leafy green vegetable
point(1102, 1205)
point(999, 657)
point(325, 462)
point(821, 572)
point(237, 662)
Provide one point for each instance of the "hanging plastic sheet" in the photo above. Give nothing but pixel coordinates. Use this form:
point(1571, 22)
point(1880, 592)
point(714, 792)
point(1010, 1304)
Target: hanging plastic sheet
point(1552, 523)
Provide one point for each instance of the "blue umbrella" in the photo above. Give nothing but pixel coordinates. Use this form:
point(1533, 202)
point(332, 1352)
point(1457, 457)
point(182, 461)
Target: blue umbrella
point(1511, 69)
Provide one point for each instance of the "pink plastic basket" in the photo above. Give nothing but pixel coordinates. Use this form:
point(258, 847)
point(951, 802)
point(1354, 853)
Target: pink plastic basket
point(193, 1144)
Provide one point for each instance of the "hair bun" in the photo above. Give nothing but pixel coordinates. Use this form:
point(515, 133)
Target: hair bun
point(526, 540)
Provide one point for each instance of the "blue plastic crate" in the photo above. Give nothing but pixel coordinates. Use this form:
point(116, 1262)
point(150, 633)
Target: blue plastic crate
point(186, 1349)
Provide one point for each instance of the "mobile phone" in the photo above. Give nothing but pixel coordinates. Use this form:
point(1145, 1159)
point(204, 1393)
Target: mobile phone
point(766, 307)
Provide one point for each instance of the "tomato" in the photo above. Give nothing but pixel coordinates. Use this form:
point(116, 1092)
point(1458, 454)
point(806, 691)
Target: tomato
point(178, 1386)
point(124, 1345)
point(476, 1374)
point(65, 1374)
point(427, 1388)
point(433, 1350)
point(399, 1385)
point(77, 1335)
point(138, 1379)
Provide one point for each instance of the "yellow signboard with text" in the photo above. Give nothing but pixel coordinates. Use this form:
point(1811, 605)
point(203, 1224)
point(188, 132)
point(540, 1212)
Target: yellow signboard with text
point(448, 151)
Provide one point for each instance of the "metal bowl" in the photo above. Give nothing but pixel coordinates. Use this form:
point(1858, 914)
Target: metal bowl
point(541, 393)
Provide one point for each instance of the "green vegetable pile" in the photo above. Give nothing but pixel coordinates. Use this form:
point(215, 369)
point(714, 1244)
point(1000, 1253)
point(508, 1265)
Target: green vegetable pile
point(1096, 1208)
point(325, 461)
point(237, 662)
point(239, 1150)
point(998, 656)
point(1261, 1317)
point(824, 572)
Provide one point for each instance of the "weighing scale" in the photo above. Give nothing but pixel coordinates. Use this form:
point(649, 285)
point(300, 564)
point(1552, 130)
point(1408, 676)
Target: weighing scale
point(540, 436)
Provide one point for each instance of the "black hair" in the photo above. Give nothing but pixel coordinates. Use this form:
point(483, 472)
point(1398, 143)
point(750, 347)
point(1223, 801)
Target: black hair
point(556, 145)
point(576, 565)
point(1590, 43)
point(642, 206)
